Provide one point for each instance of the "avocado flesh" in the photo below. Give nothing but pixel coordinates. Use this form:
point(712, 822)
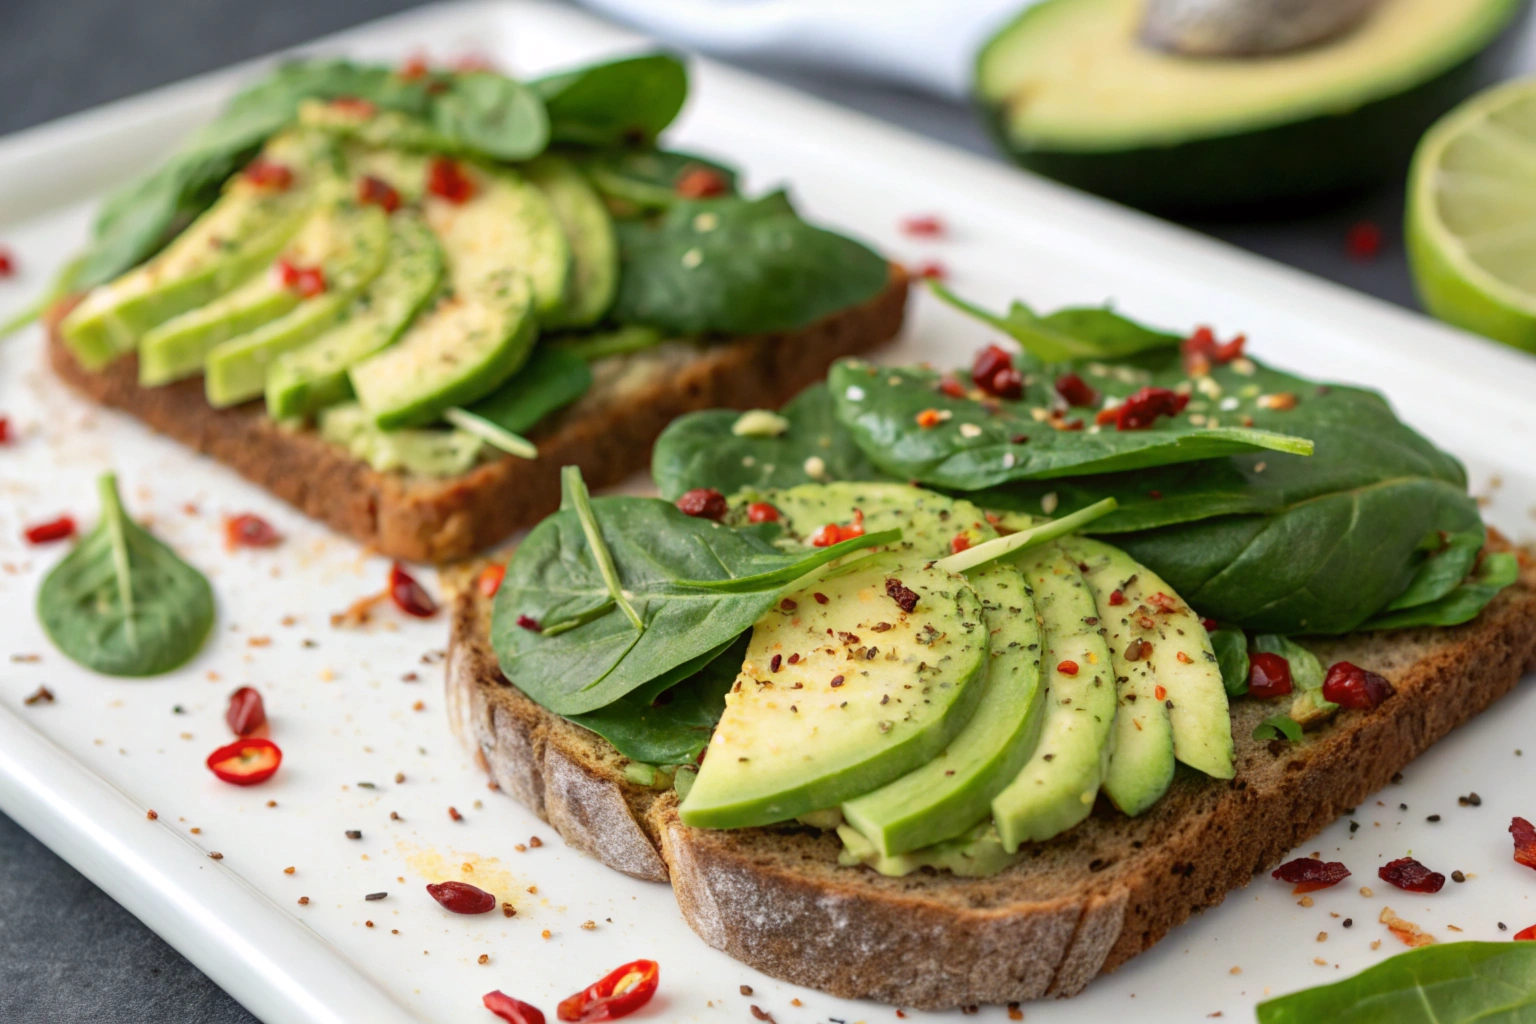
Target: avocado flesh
point(303, 381)
point(236, 370)
point(1181, 659)
point(1073, 93)
point(233, 239)
point(474, 339)
point(594, 277)
point(976, 853)
point(791, 742)
point(427, 452)
point(1057, 786)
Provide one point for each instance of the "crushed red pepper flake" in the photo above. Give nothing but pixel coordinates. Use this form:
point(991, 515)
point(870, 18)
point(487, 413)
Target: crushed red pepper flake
point(1411, 876)
point(42, 695)
point(453, 812)
point(1525, 841)
point(905, 598)
point(1309, 874)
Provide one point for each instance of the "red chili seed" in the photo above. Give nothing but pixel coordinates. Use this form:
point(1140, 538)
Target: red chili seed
point(762, 512)
point(1067, 668)
point(249, 531)
point(61, 528)
point(701, 183)
point(1351, 686)
point(1526, 934)
point(529, 622)
point(269, 174)
point(446, 178)
point(1363, 241)
point(246, 712)
point(7, 263)
point(461, 897)
point(703, 503)
point(1269, 675)
point(1310, 875)
point(1076, 391)
point(927, 226)
point(1142, 409)
point(1408, 874)
point(1116, 598)
point(933, 270)
point(373, 191)
point(409, 596)
point(513, 1011)
point(1525, 841)
point(776, 663)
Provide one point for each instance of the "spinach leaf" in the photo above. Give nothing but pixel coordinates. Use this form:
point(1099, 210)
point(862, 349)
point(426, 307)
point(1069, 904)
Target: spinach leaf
point(590, 346)
point(1307, 703)
point(492, 115)
point(636, 181)
point(121, 603)
point(738, 266)
point(1450, 983)
point(573, 653)
point(1231, 647)
point(702, 450)
point(551, 380)
point(1462, 604)
point(913, 430)
point(1278, 727)
point(1067, 334)
point(1451, 558)
point(623, 102)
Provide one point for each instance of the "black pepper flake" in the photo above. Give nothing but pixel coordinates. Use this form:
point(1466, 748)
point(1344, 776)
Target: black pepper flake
point(366, 785)
point(375, 896)
point(1470, 800)
point(1432, 818)
point(43, 695)
point(1354, 826)
point(1503, 927)
point(880, 627)
point(1402, 807)
point(1349, 922)
point(905, 599)
point(177, 709)
point(1397, 776)
point(353, 833)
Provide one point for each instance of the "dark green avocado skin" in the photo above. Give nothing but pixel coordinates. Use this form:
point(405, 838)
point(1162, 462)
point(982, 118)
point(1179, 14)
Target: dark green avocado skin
point(1279, 168)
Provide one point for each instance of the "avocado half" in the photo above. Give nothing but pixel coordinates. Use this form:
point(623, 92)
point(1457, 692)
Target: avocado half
point(1071, 90)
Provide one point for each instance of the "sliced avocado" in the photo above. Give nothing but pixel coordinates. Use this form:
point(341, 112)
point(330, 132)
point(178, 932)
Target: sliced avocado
point(930, 522)
point(978, 853)
point(308, 379)
point(428, 452)
point(507, 260)
point(233, 239)
point(403, 171)
point(1075, 93)
point(1182, 661)
point(236, 370)
point(818, 717)
point(594, 277)
point(1057, 786)
point(373, 126)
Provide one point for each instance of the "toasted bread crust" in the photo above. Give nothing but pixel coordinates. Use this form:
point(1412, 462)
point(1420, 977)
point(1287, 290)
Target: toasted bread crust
point(608, 433)
point(1083, 903)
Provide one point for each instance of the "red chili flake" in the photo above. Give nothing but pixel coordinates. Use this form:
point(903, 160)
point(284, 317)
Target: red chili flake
point(703, 503)
point(514, 1011)
point(617, 994)
point(5, 430)
point(1526, 934)
point(373, 191)
point(1351, 686)
point(415, 67)
point(1142, 409)
point(446, 178)
point(929, 418)
point(1269, 675)
point(959, 542)
point(246, 762)
point(1008, 383)
point(409, 596)
point(489, 581)
point(905, 598)
point(1166, 604)
point(927, 226)
point(268, 174)
point(820, 597)
point(826, 536)
point(1067, 668)
point(1210, 625)
point(249, 531)
point(7, 263)
point(461, 897)
point(453, 813)
point(61, 528)
point(1408, 874)
point(1076, 391)
point(355, 105)
point(1309, 875)
point(952, 387)
point(1525, 841)
point(1363, 241)
point(307, 281)
point(1201, 349)
point(987, 363)
point(776, 663)
point(1116, 598)
point(762, 512)
point(246, 712)
point(701, 183)
point(1160, 691)
point(530, 623)
point(933, 270)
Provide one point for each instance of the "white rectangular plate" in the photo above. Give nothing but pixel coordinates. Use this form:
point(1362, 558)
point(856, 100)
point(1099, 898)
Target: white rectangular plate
point(364, 705)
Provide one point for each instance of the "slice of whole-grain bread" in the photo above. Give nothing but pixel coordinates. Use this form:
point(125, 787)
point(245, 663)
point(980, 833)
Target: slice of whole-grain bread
point(1080, 904)
point(608, 433)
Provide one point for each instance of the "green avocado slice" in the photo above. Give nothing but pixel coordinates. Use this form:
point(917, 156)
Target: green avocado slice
point(233, 239)
point(505, 256)
point(236, 370)
point(816, 718)
point(1056, 788)
point(307, 379)
point(594, 278)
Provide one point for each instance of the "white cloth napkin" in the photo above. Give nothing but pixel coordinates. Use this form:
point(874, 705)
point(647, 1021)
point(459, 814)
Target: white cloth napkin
point(927, 44)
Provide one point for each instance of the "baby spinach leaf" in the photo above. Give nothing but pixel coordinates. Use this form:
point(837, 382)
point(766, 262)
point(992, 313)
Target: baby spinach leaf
point(702, 449)
point(492, 115)
point(1451, 557)
point(1307, 702)
point(1278, 727)
point(555, 579)
point(1463, 604)
point(1449, 983)
point(551, 380)
point(636, 181)
point(122, 603)
point(574, 497)
point(1067, 334)
point(624, 102)
point(738, 266)
point(1231, 647)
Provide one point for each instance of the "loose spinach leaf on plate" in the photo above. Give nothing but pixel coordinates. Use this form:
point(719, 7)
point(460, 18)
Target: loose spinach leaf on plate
point(1463, 603)
point(738, 266)
point(555, 585)
point(625, 102)
point(551, 380)
point(122, 603)
point(1067, 334)
point(636, 181)
point(702, 450)
point(1449, 983)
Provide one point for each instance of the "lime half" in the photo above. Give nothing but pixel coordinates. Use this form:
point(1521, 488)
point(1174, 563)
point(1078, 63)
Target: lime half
point(1471, 221)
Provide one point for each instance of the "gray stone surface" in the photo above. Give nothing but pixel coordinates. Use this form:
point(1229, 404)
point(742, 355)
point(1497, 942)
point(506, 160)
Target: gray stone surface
point(68, 952)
